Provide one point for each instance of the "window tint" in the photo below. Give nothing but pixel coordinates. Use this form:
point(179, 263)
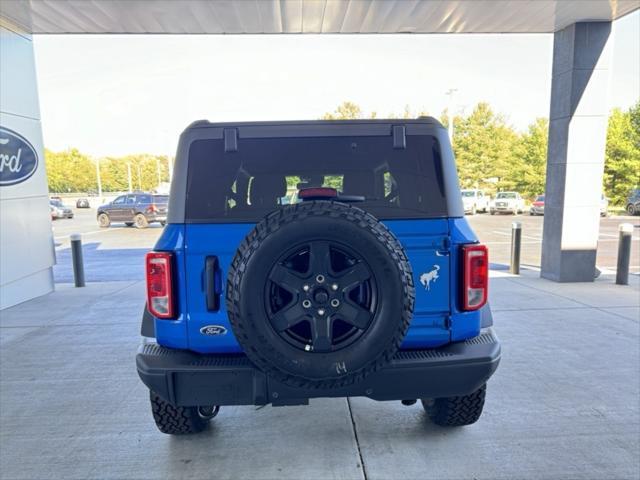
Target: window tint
point(144, 198)
point(267, 173)
point(131, 199)
point(119, 200)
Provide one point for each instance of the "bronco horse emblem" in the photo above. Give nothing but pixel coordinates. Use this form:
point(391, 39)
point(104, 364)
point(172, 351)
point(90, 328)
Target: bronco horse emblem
point(428, 277)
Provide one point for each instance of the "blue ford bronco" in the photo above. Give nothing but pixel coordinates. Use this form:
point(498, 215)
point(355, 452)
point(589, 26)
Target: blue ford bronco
point(316, 259)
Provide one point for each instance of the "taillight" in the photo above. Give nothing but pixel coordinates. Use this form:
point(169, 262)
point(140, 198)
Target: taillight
point(152, 208)
point(475, 285)
point(159, 284)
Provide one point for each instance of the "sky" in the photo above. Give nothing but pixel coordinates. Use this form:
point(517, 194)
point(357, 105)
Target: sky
point(117, 95)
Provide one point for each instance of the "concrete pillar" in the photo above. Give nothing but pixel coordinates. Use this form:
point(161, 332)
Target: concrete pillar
point(575, 159)
point(26, 243)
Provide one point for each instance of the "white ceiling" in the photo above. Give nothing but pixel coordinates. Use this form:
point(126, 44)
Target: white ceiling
point(307, 16)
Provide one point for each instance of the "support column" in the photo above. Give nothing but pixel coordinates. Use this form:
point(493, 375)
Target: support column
point(575, 159)
point(26, 240)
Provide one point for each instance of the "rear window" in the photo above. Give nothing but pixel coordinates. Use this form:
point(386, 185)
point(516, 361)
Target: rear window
point(160, 198)
point(267, 173)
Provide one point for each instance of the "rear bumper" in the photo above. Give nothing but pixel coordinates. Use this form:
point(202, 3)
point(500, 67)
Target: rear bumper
point(186, 378)
point(537, 210)
point(156, 217)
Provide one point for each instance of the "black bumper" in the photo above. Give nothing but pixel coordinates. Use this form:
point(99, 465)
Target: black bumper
point(186, 378)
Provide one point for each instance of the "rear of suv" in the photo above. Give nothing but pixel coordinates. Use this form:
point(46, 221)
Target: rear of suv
point(139, 209)
point(316, 259)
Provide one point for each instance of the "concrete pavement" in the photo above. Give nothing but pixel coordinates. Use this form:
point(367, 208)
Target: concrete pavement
point(563, 403)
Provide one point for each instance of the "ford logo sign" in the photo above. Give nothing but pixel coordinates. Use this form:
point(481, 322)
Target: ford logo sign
point(18, 158)
point(213, 330)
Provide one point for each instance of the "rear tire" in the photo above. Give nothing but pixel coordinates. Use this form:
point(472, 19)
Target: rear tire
point(456, 411)
point(631, 209)
point(141, 221)
point(103, 220)
point(174, 420)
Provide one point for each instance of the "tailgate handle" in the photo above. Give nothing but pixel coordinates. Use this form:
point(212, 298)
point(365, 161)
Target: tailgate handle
point(212, 283)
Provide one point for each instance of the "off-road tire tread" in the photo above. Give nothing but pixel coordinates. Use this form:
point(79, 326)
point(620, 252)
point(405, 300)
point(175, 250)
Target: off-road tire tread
point(456, 411)
point(277, 220)
point(174, 420)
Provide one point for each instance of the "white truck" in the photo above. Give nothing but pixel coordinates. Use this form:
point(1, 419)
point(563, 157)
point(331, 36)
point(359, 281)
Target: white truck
point(474, 201)
point(507, 202)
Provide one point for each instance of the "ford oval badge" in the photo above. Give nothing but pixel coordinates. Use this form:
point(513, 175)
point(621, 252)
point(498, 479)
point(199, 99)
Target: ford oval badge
point(18, 158)
point(212, 330)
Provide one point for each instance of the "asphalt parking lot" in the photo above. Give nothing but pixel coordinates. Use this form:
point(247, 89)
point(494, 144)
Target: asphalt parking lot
point(116, 253)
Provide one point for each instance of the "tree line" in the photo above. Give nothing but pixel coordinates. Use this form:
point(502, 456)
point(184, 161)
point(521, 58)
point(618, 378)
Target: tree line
point(490, 154)
point(73, 171)
point(494, 156)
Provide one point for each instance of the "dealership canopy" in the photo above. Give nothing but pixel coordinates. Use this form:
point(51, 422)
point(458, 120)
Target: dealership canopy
point(307, 16)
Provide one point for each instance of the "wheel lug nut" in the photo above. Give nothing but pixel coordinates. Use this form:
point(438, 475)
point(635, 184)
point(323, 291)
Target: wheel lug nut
point(306, 303)
point(335, 302)
point(305, 288)
point(321, 312)
point(320, 279)
point(334, 287)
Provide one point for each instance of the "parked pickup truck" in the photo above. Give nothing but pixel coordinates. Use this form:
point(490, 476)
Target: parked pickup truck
point(507, 202)
point(368, 282)
point(474, 201)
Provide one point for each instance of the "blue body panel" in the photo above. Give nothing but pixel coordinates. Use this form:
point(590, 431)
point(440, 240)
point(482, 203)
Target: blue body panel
point(431, 245)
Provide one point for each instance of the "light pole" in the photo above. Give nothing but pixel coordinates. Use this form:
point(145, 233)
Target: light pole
point(450, 92)
point(158, 170)
point(139, 178)
point(129, 176)
point(99, 180)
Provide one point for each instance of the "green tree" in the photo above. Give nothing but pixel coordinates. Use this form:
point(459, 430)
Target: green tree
point(530, 174)
point(345, 111)
point(144, 172)
point(486, 150)
point(622, 158)
point(352, 111)
point(69, 171)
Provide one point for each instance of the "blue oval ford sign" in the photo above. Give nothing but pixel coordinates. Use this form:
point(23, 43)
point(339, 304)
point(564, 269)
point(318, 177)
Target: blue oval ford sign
point(18, 158)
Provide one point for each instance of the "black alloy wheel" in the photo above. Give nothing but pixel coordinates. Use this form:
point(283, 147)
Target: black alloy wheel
point(321, 296)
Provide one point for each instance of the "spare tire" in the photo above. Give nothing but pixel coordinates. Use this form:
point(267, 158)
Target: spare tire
point(320, 294)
